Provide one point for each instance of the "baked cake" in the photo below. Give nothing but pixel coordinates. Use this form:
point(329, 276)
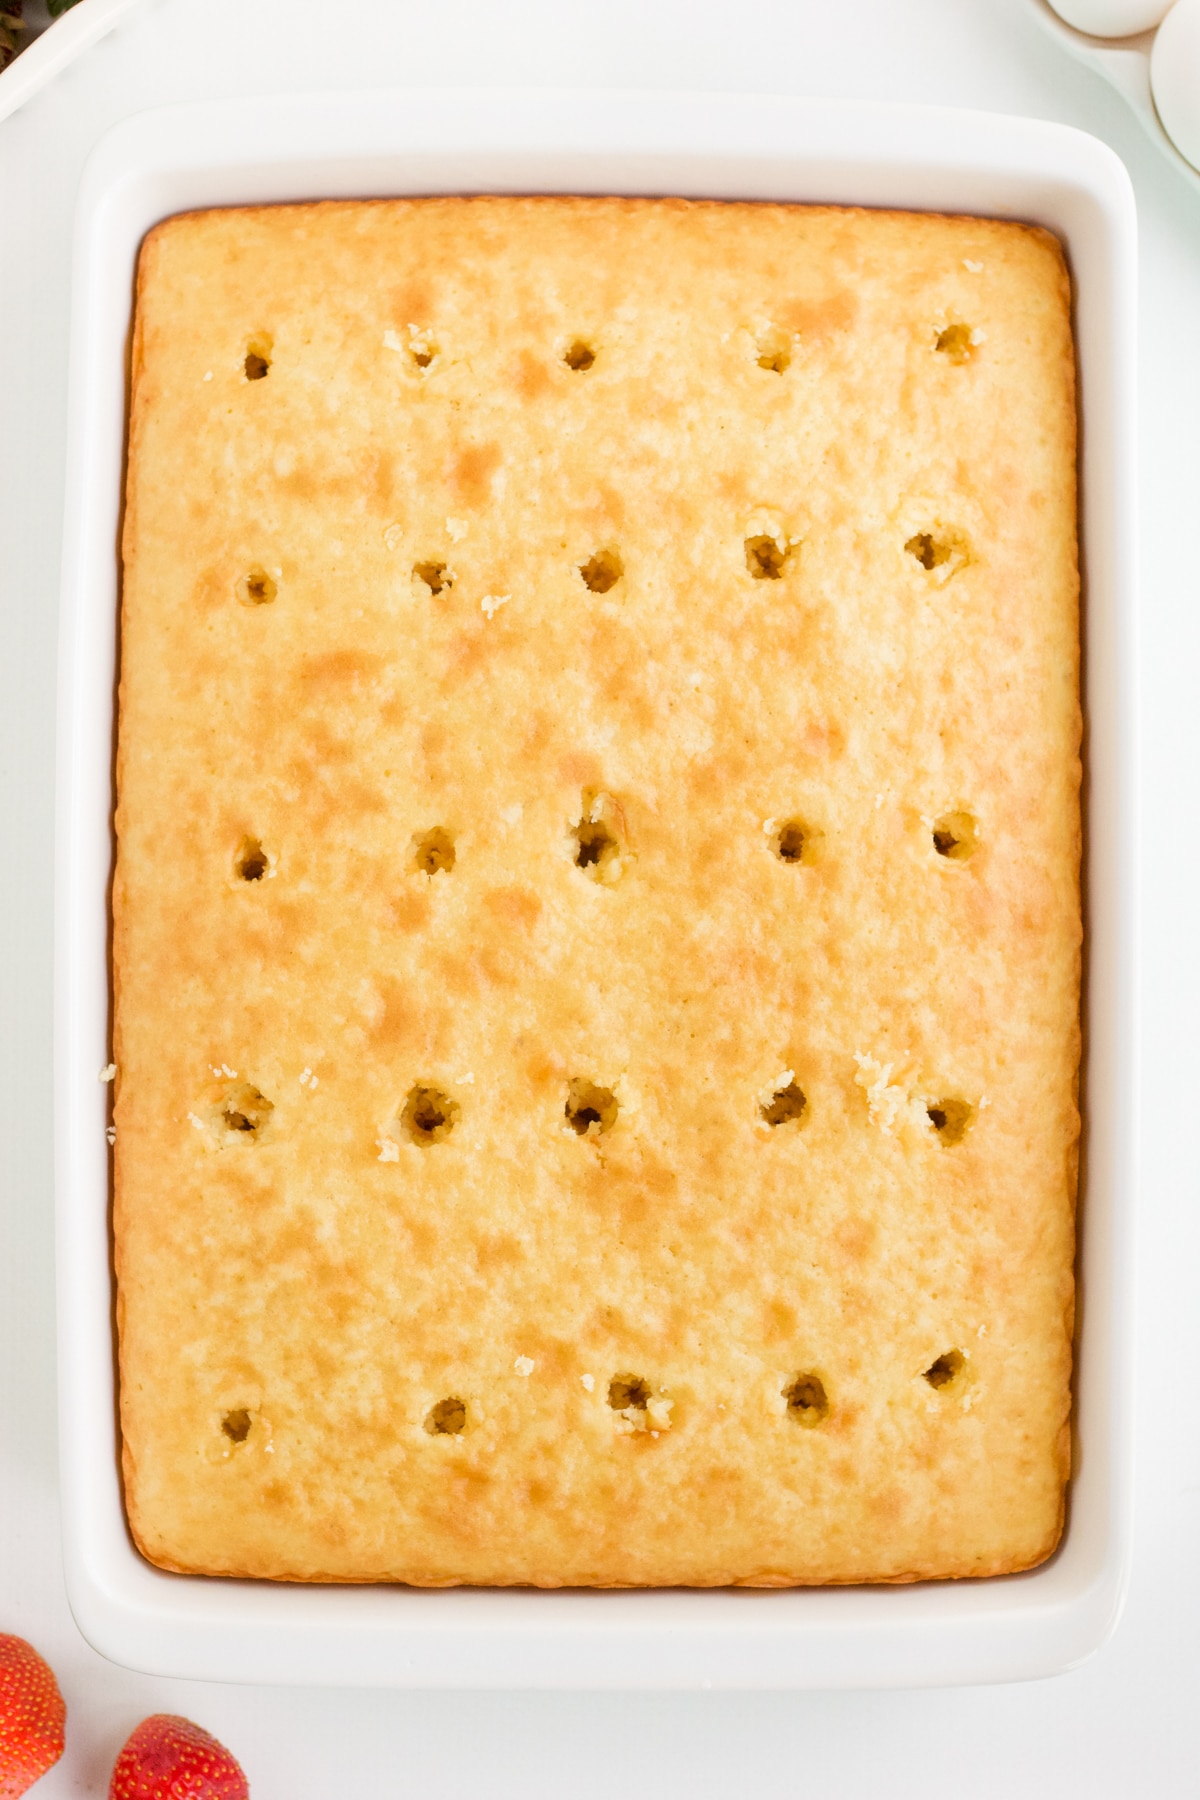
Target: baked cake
point(596, 916)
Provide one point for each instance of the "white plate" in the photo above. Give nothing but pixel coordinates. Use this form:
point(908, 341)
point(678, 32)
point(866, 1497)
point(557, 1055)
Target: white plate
point(727, 147)
point(1125, 65)
point(57, 46)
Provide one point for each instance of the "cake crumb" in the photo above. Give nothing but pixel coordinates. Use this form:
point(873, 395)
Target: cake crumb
point(389, 1149)
point(491, 603)
point(658, 1413)
point(456, 530)
point(589, 1382)
point(972, 268)
point(654, 1416)
point(108, 1072)
point(524, 1365)
point(111, 1134)
point(887, 1102)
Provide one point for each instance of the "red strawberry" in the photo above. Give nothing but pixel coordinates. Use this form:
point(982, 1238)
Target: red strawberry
point(168, 1758)
point(32, 1716)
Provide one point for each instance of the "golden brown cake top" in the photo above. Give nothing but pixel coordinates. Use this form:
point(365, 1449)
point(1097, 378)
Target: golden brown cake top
point(596, 917)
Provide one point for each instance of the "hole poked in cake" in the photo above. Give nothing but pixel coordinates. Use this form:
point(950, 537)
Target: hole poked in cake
point(628, 1391)
point(236, 1425)
point(793, 841)
point(942, 551)
point(257, 587)
point(447, 1418)
point(767, 557)
point(956, 836)
point(951, 1120)
point(433, 852)
point(602, 571)
point(241, 1116)
point(637, 1406)
point(256, 362)
point(945, 1369)
point(597, 838)
point(957, 342)
point(250, 861)
point(435, 576)
point(773, 349)
point(418, 352)
point(807, 1401)
point(428, 1115)
point(787, 1105)
point(588, 1106)
point(596, 842)
point(579, 355)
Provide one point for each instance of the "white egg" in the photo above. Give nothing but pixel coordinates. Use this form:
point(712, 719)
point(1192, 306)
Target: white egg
point(1175, 77)
point(1112, 18)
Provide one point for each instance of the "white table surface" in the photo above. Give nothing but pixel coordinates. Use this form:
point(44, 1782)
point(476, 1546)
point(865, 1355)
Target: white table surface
point(1128, 1722)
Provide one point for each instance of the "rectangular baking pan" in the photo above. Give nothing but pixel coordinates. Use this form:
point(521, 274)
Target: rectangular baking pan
point(743, 147)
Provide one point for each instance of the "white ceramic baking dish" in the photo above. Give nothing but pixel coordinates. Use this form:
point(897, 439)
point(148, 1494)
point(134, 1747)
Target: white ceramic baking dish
point(637, 143)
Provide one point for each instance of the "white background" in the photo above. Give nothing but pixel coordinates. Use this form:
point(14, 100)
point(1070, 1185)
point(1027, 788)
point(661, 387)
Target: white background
point(1128, 1722)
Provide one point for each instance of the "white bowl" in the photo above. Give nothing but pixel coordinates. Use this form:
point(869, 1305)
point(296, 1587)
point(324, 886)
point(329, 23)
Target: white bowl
point(636, 143)
point(1125, 65)
point(1175, 78)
